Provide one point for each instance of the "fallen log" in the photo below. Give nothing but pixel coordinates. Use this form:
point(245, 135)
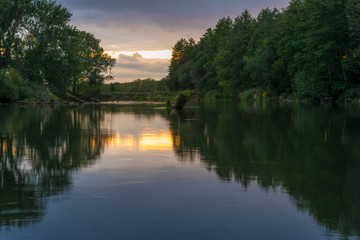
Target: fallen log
point(74, 99)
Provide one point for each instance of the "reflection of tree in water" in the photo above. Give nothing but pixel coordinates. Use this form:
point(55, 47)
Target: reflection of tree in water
point(39, 147)
point(310, 151)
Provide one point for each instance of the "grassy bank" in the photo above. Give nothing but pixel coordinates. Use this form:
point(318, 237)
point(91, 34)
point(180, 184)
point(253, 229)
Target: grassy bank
point(151, 90)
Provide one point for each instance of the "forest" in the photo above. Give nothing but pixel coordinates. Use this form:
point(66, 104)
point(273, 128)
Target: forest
point(309, 50)
point(43, 57)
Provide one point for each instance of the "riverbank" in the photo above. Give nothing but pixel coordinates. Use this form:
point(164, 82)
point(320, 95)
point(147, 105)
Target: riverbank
point(352, 96)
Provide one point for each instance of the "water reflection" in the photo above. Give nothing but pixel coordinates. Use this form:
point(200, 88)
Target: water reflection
point(39, 147)
point(312, 152)
point(160, 141)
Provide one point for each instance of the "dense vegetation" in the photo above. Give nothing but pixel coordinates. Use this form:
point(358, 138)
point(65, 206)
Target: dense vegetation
point(310, 49)
point(41, 54)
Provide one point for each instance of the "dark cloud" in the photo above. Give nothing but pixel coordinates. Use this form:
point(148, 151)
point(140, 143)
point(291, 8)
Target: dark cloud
point(155, 22)
point(185, 8)
point(136, 25)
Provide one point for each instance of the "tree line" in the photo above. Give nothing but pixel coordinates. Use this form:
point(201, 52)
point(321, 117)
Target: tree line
point(42, 53)
point(311, 49)
point(138, 90)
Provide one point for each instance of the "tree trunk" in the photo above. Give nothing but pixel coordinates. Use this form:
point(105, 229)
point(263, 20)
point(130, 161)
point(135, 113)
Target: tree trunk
point(182, 100)
point(344, 73)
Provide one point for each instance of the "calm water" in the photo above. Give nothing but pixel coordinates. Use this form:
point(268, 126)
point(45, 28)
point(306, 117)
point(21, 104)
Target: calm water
point(217, 171)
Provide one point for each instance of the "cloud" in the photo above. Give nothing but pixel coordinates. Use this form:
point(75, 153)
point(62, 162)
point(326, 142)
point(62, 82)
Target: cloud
point(133, 25)
point(138, 25)
point(129, 68)
point(184, 8)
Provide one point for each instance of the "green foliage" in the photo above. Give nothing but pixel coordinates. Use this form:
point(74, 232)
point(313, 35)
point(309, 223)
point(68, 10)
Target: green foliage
point(353, 16)
point(139, 85)
point(141, 90)
point(310, 49)
point(252, 94)
point(308, 88)
point(167, 105)
point(230, 59)
point(8, 90)
point(246, 95)
point(37, 40)
point(353, 93)
point(14, 87)
point(180, 76)
point(186, 92)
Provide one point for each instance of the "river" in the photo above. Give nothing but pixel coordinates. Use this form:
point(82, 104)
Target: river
point(219, 170)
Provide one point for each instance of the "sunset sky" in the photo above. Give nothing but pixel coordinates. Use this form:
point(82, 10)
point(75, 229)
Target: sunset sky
point(141, 33)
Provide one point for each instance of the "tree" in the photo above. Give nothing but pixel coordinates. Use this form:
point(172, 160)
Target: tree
point(181, 54)
point(352, 60)
point(323, 38)
point(262, 51)
point(353, 16)
point(45, 59)
point(36, 39)
point(13, 16)
point(230, 59)
point(88, 61)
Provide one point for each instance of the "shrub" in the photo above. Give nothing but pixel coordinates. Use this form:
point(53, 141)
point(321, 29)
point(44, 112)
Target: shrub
point(14, 87)
point(307, 87)
point(8, 90)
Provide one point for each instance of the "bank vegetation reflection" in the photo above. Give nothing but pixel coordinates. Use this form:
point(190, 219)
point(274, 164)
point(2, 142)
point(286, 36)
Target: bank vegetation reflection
point(311, 152)
point(40, 147)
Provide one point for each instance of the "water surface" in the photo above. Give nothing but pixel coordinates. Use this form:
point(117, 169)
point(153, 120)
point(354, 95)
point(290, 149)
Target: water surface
point(214, 171)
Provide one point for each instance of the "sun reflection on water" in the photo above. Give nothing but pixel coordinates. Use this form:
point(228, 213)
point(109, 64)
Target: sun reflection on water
point(145, 142)
point(160, 142)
